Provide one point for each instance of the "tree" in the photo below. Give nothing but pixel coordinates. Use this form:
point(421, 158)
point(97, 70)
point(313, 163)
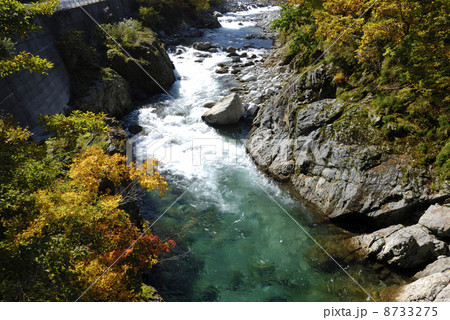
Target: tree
point(61, 223)
point(16, 20)
point(396, 50)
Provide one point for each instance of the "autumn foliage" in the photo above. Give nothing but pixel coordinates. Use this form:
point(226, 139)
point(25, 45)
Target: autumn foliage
point(394, 51)
point(17, 21)
point(62, 225)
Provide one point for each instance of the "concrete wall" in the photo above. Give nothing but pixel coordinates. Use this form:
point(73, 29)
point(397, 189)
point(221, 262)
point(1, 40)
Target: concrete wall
point(26, 95)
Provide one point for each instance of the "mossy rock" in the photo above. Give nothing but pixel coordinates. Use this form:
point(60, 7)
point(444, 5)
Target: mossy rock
point(149, 294)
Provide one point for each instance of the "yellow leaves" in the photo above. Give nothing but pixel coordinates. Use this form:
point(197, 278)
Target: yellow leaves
point(346, 7)
point(109, 203)
point(10, 133)
point(69, 229)
point(92, 166)
point(148, 177)
point(24, 60)
point(112, 286)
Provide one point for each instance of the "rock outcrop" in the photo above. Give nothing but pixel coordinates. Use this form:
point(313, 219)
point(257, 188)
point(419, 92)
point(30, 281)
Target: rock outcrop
point(437, 220)
point(202, 46)
point(435, 287)
point(227, 111)
point(110, 95)
point(333, 155)
point(400, 246)
point(153, 58)
point(442, 264)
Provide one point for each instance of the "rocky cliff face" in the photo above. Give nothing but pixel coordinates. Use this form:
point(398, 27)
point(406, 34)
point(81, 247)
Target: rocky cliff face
point(330, 151)
point(150, 56)
point(334, 156)
point(110, 95)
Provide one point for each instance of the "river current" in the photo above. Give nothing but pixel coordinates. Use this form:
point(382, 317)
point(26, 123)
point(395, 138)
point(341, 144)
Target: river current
point(235, 238)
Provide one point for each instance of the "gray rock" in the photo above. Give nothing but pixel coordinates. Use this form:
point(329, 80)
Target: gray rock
point(440, 265)
point(209, 105)
point(432, 288)
point(437, 220)
point(235, 59)
point(227, 111)
point(135, 129)
point(444, 295)
point(339, 167)
point(252, 109)
point(231, 50)
point(222, 70)
point(202, 55)
point(249, 77)
point(110, 95)
point(399, 246)
point(202, 46)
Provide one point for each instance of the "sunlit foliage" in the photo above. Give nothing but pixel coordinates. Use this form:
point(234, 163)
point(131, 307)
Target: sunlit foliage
point(396, 51)
point(16, 20)
point(158, 13)
point(62, 226)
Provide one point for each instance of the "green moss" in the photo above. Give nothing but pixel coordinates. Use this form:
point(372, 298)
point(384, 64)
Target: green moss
point(149, 293)
point(442, 164)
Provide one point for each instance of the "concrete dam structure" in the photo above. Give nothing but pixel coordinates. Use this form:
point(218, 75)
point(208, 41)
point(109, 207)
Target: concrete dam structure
point(27, 95)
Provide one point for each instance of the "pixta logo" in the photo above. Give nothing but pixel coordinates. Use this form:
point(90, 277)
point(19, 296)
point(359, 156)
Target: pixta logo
point(195, 152)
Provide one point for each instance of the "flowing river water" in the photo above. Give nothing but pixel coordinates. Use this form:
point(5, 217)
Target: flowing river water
point(235, 240)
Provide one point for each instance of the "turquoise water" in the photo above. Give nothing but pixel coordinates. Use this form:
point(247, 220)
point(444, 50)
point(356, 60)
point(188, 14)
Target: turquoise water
point(236, 241)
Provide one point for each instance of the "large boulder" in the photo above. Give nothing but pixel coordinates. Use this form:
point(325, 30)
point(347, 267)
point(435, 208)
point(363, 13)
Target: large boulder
point(435, 287)
point(400, 246)
point(437, 220)
point(110, 94)
point(202, 46)
point(150, 55)
point(440, 265)
point(227, 111)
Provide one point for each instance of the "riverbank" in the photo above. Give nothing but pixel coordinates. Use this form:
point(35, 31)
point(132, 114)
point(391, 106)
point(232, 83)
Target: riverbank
point(329, 150)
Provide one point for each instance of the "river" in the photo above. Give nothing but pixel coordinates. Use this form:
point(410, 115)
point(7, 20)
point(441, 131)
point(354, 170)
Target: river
point(236, 241)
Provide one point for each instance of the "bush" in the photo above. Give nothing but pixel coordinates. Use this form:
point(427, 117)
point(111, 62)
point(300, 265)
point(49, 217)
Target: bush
point(128, 33)
point(60, 223)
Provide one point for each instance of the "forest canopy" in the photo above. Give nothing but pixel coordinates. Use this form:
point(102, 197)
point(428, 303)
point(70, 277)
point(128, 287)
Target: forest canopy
point(396, 51)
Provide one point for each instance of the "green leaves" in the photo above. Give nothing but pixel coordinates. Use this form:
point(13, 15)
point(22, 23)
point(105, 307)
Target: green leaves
point(24, 61)
point(76, 124)
point(398, 52)
point(16, 20)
